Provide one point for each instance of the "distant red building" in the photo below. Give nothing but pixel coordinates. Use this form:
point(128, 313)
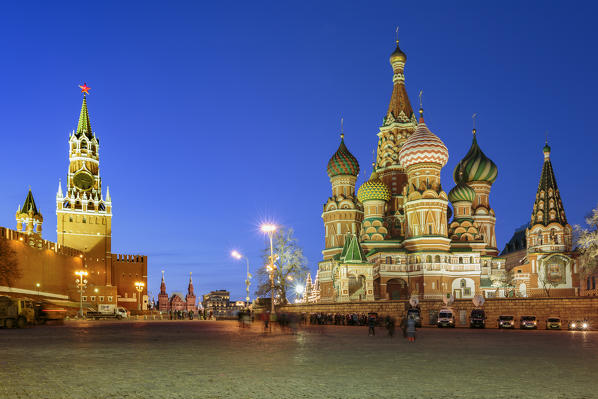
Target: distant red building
point(176, 300)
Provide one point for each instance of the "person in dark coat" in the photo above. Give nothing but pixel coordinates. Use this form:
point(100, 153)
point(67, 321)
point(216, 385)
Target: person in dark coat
point(390, 325)
point(411, 329)
point(371, 325)
point(403, 325)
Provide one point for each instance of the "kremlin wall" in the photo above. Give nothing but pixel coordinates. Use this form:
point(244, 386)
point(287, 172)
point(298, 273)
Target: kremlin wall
point(84, 235)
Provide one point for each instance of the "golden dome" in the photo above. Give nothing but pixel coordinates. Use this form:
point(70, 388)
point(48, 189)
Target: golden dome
point(398, 55)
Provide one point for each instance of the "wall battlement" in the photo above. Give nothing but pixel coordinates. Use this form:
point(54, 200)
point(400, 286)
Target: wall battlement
point(129, 258)
point(35, 241)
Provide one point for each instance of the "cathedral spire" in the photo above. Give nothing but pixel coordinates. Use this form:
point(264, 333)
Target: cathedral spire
point(399, 108)
point(548, 207)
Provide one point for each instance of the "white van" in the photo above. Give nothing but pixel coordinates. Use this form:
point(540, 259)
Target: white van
point(446, 318)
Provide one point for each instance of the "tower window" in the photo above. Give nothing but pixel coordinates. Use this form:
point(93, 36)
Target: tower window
point(84, 145)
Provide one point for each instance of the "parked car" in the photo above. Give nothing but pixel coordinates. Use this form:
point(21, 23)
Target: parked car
point(506, 321)
point(528, 322)
point(446, 318)
point(477, 318)
point(579, 325)
point(415, 313)
point(553, 323)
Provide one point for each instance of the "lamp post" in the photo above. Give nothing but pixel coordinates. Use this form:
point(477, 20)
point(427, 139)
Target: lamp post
point(237, 255)
point(270, 229)
point(37, 285)
point(81, 283)
point(139, 287)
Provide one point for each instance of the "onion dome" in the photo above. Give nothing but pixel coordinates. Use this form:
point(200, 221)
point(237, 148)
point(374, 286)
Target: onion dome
point(398, 55)
point(423, 146)
point(342, 162)
point(476, 166)
point(461, 192)
point(373, 189)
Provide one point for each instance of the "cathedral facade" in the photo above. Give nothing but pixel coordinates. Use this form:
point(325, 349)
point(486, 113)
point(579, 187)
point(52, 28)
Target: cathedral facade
point(401, 234)
point(84, 236)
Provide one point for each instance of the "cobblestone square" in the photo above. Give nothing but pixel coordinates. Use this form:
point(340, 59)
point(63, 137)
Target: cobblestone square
point(209, 359)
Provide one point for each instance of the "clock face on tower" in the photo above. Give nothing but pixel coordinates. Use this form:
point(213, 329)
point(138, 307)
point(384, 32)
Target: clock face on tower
point(83, 181)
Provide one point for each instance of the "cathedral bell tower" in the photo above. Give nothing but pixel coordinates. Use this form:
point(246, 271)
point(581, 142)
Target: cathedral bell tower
point(84, 215)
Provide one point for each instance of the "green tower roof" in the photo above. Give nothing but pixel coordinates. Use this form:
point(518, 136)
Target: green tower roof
point(29, 205)
point(84, 126)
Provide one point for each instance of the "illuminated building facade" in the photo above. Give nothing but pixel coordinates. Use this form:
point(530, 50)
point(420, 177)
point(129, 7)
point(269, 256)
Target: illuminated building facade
point(403, 234)
point(84, 231)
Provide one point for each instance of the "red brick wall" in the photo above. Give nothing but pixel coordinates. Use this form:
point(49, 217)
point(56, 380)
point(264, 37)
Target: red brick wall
point(574, 308)
point(43, 262)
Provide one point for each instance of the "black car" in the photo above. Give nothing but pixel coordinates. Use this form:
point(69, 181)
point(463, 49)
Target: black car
point(477, 319)
point(415, 313)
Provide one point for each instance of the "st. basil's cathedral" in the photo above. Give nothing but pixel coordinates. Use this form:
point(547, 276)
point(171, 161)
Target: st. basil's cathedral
point(398, 236)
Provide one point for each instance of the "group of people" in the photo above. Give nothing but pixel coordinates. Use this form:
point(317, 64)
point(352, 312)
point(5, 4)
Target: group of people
point(339, 319)
point(180, 315)
point(408, 325)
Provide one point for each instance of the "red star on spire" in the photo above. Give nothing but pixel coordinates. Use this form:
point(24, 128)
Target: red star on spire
point(85, 88)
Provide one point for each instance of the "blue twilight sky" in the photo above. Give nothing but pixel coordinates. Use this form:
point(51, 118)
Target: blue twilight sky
point(215, 116)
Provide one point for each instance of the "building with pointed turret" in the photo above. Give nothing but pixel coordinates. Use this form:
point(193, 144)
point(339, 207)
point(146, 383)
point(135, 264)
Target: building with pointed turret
point(540, 258)
point(83, 229)
point(176, 301)
point(403, 235)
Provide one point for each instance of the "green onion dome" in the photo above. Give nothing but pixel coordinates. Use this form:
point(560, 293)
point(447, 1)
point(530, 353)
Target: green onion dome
point(342, 162)
point(373, 189)
point(476, 166)
point(461, 192)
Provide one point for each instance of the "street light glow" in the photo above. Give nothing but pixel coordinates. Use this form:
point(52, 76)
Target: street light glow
point(268, 228)
point(235, 254)
point(299, 289)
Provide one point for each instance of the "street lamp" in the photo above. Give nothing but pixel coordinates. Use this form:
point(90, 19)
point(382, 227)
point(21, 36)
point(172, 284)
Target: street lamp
point(270, 229)
point(299, 289)
point(139, 287)
point(37, 285)
point(81, 284)
point(237, 255)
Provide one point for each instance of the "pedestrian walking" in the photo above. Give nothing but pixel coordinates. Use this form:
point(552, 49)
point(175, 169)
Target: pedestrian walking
point(390, 325)
point(371, 325)
point(411, 329)
point(403, 325)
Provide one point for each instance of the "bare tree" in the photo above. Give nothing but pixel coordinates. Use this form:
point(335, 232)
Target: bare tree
point(586, 242)
point(291, 266)
point(547, 283)
point(9, 265)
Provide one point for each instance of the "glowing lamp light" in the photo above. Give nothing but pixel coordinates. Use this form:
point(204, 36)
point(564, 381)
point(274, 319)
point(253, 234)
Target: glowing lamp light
point(236, 255)
point(268, 228)
point(299, 289)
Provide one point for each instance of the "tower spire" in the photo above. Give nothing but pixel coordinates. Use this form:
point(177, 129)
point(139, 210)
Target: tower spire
point(59, 192)
point(84, 125)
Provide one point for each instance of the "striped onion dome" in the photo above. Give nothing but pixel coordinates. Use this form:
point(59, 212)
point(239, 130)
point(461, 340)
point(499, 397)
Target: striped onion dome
point(373, 189)
point(423, 146)
point(476, 166)
point(342, 162)
point(461, 192)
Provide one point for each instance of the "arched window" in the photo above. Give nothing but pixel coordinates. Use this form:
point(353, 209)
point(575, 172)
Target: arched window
point(429, 258)
point(460, 259)
point(437, 259)
point(84, 145)
point(463, 283)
